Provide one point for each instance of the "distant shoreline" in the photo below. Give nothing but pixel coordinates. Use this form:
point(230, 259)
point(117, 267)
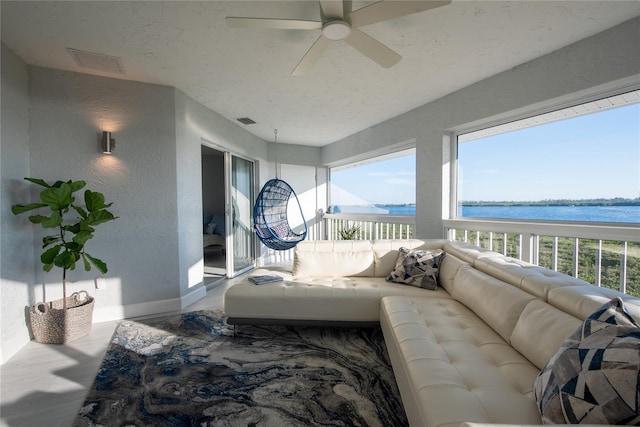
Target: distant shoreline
point(559, 202)
point(618, 201)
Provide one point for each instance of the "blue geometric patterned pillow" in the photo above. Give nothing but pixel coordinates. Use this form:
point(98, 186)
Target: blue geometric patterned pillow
point(594, 376)
point(417, 268)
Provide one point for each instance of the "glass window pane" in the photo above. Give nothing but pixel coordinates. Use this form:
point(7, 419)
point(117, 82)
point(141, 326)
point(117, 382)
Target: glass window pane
point(580, 168)
point(382, 186)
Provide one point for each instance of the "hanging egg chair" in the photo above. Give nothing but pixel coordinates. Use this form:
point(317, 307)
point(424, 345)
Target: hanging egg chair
point(271, 218)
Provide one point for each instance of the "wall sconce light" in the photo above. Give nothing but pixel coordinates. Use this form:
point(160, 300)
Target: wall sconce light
point(108, 143)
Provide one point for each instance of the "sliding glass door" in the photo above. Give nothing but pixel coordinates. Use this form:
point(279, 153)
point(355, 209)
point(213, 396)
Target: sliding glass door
point(240, 200)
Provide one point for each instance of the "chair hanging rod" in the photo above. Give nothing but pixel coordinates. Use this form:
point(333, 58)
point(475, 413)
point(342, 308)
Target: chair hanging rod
point(275, 140)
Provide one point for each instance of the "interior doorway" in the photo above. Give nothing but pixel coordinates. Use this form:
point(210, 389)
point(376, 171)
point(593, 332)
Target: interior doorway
point(213, 214)
point(228, 196)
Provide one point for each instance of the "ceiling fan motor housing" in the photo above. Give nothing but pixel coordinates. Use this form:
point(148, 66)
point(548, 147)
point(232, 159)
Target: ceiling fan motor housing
point(336, 29)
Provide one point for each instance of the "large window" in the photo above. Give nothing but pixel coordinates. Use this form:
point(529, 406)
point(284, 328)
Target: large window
point(577, 164)
point(383, 185)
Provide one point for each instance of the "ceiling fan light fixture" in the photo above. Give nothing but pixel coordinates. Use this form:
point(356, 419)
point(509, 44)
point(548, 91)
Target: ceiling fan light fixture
point(336, 30)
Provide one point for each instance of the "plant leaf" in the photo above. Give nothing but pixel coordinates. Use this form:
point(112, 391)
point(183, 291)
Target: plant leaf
point(93, 200)
point(49, 240)
point(38, 181)
point(82, 237)
point(37, 219)
point(53, 221)
point(100, 216)
point(80, 211)
point(64, 260)
point(73, 247)
point(99, 264)
point(87, 266)
point(57, 198)
point(18, 209)
point(77, 185)
point(47, 267)
point(50, 254)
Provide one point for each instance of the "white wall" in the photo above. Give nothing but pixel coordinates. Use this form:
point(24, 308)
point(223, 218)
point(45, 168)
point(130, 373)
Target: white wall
point(17, 274)
point(596, 64)
point(52, 124)
point(68, 112)
point(195, 124)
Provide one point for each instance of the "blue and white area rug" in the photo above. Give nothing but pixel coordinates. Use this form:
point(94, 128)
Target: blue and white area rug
point(190, 370)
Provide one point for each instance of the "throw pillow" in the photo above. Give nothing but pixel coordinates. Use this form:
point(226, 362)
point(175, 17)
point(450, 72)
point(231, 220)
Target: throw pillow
point(594, 376)
point(210, 228)
point(417, 268)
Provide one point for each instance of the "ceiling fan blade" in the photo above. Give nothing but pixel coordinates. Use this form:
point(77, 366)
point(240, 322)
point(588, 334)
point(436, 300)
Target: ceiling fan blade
point(332, 9)
point(373, 48)
point(311, 57)
point(273, 24)
point(390, 9)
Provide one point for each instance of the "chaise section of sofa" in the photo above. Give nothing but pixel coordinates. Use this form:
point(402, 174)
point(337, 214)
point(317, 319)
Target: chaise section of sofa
point(331, 283)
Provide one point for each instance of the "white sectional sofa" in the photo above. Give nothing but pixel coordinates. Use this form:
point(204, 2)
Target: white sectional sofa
point(467, 352)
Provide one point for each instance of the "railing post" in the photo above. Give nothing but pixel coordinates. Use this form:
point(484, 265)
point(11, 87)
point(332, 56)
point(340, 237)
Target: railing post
point(526, 248)
point(504, 244)
point(623, 268)
point(576, 248)
point(598, 267)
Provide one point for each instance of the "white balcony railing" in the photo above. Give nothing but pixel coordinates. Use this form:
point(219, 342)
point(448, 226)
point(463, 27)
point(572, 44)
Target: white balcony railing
point(602, 254)
point(370, 226)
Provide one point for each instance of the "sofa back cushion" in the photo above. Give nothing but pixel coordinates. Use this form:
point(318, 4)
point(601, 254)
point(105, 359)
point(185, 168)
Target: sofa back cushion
point(468, 252)
point(582, 301)
point(448, 269)
point(541, 330)
point(333, 258)
point(494, 301)
point(386, 252)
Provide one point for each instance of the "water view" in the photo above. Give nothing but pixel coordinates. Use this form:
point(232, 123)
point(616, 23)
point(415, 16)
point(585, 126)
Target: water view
point(617, 214)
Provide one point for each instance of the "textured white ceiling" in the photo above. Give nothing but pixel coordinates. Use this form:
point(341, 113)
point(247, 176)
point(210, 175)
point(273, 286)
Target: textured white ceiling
point(246, 73)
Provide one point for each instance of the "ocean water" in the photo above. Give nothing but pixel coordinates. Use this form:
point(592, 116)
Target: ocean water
point(623, 214)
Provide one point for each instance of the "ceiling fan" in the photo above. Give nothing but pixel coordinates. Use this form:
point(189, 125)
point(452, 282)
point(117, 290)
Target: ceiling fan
point(339, 22)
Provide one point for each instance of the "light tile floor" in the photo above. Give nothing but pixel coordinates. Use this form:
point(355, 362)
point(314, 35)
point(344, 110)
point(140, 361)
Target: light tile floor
point(45, 384)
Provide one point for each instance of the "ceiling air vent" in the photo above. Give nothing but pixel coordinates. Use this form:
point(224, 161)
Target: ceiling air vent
point(97, 61)
point(246, 121)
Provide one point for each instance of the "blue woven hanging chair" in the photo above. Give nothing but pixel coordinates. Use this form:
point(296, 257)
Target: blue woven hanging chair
point(270, 217)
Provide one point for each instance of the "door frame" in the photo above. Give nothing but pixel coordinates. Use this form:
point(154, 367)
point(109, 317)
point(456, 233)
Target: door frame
point(228, 171)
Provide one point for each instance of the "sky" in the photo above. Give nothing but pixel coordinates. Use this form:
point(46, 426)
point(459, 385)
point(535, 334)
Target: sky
point(591, 156)
point(391, 181)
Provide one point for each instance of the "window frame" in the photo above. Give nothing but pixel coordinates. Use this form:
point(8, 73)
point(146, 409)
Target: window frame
point(368, 158)
point(511, 120)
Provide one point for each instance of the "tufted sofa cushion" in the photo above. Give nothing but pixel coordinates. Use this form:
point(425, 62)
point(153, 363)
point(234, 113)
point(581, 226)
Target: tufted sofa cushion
point(334, 299)
point(541, 330)
point(452, 367)
point(582, 301)
point(536, 280)
point(333, 259)
point(494, 301)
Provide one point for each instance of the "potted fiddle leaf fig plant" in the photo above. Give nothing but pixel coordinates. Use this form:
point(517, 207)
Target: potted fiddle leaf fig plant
point(64, 320)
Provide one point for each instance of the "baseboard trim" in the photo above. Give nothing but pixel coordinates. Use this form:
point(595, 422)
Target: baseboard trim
point(106, 314)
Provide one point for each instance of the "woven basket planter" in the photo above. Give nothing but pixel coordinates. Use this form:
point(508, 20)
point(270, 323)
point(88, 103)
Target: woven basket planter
point(50, 323)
